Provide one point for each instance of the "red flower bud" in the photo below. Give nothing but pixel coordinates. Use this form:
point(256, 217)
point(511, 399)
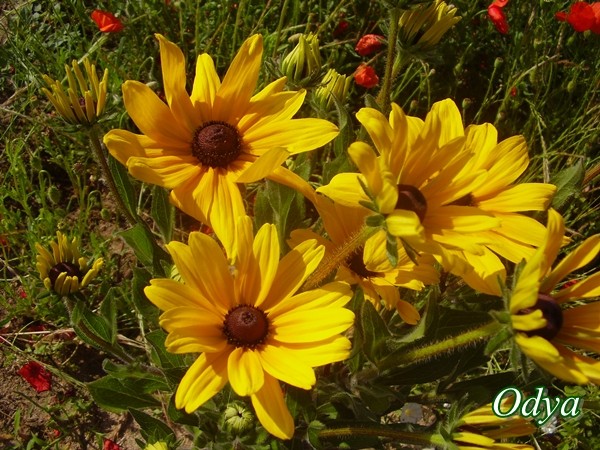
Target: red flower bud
point(365, 76)
point(369, 43)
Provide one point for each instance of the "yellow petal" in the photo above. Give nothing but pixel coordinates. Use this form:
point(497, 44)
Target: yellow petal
point(233, 96)
point(378, 128)
point(295, 135)
point(345, 189)
point(271, 409)
point(529, 322)
point(521, 197)
point(586, 288)
point(283, 175)
point(461, 219)
point(152, 116)
point(245, 371)
point(406, 129)
point(294, 268)
point(167, 294)
point(205, 378)
point(332, 295)
point(334, 349)
point(554, 239)
point(526, 290)
point(266, 254)
point(124, 144)
point(307, 326)
point(206, 85)
point(165, 171)
point(263, 166)
point(285, 366)
point(193, 330)
point(576, 259)
point(404, 224)
point(173, 71)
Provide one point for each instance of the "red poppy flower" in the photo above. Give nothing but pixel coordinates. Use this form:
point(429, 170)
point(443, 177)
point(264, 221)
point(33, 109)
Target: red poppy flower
point(369, 43)
point(582, 17)
point(497, 16)
point(341, 28)
point(107, 22)
point(38, 377)
point(110, 445)
point(365, 76)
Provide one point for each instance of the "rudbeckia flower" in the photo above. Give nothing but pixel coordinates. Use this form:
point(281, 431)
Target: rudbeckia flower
point(369, 267)
point(200, 145)
point(248, 321)
point(547, 325)
point(415, 178)
point(479, 430)
point(64, 270)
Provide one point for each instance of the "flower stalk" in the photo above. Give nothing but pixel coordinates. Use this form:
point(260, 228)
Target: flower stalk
point(383, 98)
point(422, 439)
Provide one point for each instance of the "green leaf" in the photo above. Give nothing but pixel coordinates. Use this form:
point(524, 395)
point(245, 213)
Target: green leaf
point(143, 306)
point(85, 321)
point(497, 341)
point(374, 332)
point(108, 311)
point(391, 249)
point(162, 212)
point(160, 356)
point(180, 416)
point(118, 395)
point(142, 244)
point(151, 428)
point(568, 183)
point(123, 183)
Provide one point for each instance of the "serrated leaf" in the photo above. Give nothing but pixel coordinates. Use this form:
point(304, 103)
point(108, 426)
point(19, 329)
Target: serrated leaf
point(162, 212)
point(118, 395)
point(374, 332)
point(151, 428)
point(568, 184)
point(85, 321)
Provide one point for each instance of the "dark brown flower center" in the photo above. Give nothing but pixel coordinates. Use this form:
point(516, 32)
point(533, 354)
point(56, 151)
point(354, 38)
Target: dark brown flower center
point(71, 269)
point(216, 144)
point(552, 313)
point(246, 326)
point(356, 264)
point(410, 198)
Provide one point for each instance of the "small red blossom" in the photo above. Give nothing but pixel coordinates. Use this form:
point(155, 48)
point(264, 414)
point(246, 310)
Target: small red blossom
point(582, 16)
point(366, 76)
point(369, 43)
point(21, 292)
point(497, 16)
point(38, 377)
point(513, 91)
point(341, 28)
point(569, 283)
point(110, 445)
point(107, 22)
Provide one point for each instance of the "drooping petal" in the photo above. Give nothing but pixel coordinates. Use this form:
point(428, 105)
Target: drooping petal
point(271, 409)
point(345, 189)
point(285, 366)
point(378, 128)
point(246, 374)
point(205, 378)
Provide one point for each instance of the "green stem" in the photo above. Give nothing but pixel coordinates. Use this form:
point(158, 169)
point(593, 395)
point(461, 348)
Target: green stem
point(101, 157)
point(386, 432)
point(282, 17)
point(383, 98)
point(339, 256)
point(445, 346)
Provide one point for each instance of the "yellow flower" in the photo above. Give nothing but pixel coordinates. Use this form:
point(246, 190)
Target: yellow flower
point(201, 145)
point(369, 266)
point(160, 445)
point(546, 326)
point(85, 98)
point(64, 270)
point(422, 27)
point(415, 178)
point(479, 430)
point(248, 322)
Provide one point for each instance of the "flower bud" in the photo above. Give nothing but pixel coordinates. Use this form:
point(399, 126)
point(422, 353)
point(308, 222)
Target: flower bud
point(238, 418)
point(332, 86)
point(304, 61)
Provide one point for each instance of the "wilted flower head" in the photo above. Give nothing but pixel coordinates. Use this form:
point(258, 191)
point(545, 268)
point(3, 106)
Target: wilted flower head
point(421, 28)
point(366, 76)
point(368, 44)
point(107, 22)
point(84, 100)
point(304, 61)
point(64, 271)
point(332, 85)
